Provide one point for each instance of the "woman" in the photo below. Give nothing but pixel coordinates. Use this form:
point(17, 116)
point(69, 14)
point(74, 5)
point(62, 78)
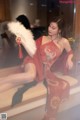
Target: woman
point(38, 67)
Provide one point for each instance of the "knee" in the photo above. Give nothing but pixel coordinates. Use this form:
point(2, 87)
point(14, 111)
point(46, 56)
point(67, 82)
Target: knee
point(33, 74)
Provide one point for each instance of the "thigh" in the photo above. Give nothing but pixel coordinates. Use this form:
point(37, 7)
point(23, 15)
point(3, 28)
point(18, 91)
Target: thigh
point(7, 86)
point(30, 67)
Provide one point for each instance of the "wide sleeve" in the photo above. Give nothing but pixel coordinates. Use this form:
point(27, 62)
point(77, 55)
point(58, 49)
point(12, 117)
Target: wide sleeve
point(60, 64)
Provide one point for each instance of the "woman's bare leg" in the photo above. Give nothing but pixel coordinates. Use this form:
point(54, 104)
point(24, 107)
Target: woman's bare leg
point(5, 87)
point(21, 78)
point(18, 79)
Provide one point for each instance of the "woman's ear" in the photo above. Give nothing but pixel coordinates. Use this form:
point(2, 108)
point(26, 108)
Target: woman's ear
point(59, 31)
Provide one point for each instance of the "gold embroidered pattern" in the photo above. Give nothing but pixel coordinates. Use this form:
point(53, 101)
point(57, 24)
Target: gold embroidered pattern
point(55, 102)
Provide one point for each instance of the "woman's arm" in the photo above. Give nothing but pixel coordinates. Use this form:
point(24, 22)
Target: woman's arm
point(69, 62)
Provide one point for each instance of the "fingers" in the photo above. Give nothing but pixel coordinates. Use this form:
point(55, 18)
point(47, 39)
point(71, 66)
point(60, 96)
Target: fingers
point(69, 65)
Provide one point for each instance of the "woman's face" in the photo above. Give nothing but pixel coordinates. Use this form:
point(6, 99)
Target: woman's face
point(53, 29)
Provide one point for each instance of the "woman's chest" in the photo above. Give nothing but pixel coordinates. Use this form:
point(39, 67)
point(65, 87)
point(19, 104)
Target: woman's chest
point(50, 51)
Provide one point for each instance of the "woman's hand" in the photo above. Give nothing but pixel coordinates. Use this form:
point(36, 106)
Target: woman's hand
point(69, 64)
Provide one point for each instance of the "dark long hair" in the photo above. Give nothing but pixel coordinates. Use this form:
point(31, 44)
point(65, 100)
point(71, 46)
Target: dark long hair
point(61, 24)
point(24, 20)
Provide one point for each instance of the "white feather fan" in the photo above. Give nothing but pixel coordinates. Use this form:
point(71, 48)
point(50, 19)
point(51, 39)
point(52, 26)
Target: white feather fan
point(26, 36)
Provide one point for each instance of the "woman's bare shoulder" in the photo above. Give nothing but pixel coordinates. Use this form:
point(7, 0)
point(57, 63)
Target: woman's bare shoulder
point(65, 41)
point(45, 39)
point(44, 36)
point(66, 44)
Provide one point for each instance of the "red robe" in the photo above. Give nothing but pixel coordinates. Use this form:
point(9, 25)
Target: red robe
point(58, 89)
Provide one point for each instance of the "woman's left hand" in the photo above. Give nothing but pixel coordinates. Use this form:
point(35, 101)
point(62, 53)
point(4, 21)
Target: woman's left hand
point(69, 64)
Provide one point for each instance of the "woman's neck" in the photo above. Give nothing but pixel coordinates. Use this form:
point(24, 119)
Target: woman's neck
point(54, 38)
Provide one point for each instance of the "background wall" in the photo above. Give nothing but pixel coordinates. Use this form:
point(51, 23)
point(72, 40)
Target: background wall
point(43, 10)
point(4, 10)
point(26, 7)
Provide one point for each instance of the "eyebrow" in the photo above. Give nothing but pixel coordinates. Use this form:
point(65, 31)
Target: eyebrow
point(52, 26)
